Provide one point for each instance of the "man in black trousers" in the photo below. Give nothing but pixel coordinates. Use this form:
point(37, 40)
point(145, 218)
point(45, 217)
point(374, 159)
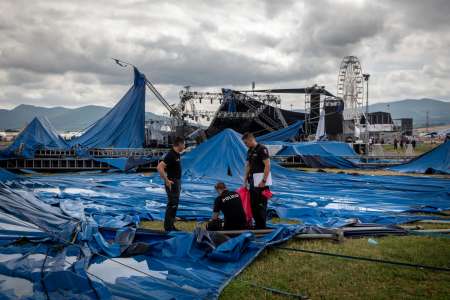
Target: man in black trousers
point(170, 171)
point(258, 177)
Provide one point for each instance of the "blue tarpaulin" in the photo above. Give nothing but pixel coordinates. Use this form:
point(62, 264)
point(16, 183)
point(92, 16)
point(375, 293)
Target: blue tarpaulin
point(103, 263)
point(126, 163)
point(223, 158)
point(39, 134)
point(123, 125)
point(24, 206)
point(321, 154)
point(58, 260)
point(6, 175)
point(283, 135)
point(434, 161)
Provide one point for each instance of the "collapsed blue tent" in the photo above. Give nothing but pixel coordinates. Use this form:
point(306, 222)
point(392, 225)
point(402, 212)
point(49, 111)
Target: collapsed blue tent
point(123, 125)
point(221, 156)
point(283, 135)
point(338, 148)
point(19, 209)
point(39, 134)
point(321, 154)
point(127, 163)
point(45, 255)
point(122, 261)
point(329, 196)
point(434, 161)
point(6, 175)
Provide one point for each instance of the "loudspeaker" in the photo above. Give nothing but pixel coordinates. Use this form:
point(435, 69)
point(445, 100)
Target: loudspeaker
point(333, 116)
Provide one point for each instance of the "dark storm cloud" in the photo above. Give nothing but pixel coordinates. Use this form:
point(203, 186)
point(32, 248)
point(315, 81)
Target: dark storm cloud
point(171, 62)
point(59, 51)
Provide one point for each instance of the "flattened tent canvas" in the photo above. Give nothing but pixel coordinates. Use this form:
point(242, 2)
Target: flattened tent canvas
point(123, 125)
point(38, 134)
point(321, 154)
point(434, 161)
point(125, 262)
point(282, 135)
point(221, 156)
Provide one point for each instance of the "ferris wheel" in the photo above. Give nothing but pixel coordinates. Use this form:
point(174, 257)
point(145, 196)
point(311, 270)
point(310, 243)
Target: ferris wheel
point(350, 88)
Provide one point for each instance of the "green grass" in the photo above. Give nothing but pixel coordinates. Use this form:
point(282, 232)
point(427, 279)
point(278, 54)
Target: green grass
point(322, 277)
point(420, 148)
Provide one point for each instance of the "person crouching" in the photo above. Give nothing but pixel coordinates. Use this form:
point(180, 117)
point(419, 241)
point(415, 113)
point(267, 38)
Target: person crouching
point(229, 203)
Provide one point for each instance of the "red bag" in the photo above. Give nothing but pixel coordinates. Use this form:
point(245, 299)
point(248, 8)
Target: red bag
point(244, 193)
point(267, 193)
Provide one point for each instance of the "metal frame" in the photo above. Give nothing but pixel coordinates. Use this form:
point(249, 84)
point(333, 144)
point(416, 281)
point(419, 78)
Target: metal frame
point(350, 88)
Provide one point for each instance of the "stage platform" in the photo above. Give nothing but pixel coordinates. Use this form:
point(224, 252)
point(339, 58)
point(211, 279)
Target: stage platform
point(60, 160)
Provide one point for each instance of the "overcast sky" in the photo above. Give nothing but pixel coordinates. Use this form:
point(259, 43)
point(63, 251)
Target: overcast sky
point(58, 52)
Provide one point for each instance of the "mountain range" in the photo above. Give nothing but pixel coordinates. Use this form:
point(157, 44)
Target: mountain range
point(62, 118)
point(438, 111)
point(67, 119)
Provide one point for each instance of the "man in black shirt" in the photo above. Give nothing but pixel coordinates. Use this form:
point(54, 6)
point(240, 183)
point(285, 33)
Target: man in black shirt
point(230, 204)
point(257, 169)
point(170, 171)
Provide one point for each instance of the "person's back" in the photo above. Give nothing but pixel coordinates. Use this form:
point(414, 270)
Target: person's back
point(230, 204)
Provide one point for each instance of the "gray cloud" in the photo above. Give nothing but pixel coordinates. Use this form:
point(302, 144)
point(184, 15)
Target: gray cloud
point(58, 52)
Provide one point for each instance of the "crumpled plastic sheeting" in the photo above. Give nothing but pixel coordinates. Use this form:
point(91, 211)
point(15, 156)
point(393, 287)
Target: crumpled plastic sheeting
point(176, 266)
point(332, 197)
point(161, 265)
point(38, 134)
point(126, 163)
point(19, 208)
point(111, 263)
point(434, 161)
point(314, 198)
point(47, 271)
point(222, 156)
point(7, 176)
point(179, 267)
point(123, 125)
point(321, 154)
point(283, 135)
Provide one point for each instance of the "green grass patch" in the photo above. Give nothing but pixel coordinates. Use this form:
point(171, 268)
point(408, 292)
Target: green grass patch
point(322, 277)
point(420, 148)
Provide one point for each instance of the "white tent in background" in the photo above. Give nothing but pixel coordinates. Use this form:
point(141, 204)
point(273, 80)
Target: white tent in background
point(320, 132)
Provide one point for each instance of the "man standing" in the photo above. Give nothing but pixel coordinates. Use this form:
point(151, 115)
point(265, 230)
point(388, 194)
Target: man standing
point(170, 171)
point(257, 175)
point(230, 204)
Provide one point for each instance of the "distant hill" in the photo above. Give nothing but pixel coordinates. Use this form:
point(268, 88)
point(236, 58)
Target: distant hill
point(79, 118)
point(63, 119)
point(438, 111)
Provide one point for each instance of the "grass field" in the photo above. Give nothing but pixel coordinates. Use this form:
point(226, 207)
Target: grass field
point(420, 148)
point(322, 277)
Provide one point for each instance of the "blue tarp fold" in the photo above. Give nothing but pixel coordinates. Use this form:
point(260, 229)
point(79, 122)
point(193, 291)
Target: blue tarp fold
point(221, 156)
point(105, 263)
point(39, 134)
point(282, 135)
point(123, 125)
point(321, 154)
point(434, 161)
